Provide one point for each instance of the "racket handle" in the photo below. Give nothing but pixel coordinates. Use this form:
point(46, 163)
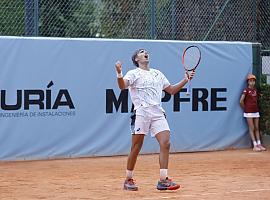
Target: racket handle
point(188, 87)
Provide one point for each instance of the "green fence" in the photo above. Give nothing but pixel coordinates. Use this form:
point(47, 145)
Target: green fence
point(228, 20)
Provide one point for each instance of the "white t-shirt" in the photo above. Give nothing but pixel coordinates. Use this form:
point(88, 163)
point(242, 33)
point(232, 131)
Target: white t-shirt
point(145, 86)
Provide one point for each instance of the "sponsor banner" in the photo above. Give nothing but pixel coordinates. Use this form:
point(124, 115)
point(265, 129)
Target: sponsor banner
point(59, 97)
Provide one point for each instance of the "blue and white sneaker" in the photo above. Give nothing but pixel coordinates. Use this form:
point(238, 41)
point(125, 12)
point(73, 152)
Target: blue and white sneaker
point(129, 184)
point(167, 184)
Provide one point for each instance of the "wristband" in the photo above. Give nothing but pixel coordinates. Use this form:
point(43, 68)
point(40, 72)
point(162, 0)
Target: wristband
point(119, 75)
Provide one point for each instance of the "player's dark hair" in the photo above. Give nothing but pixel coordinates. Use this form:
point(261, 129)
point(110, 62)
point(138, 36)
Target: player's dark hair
point(134, 56)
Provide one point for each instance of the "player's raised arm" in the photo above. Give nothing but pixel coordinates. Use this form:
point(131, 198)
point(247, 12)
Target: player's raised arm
point(123, 84)
point(173, 89)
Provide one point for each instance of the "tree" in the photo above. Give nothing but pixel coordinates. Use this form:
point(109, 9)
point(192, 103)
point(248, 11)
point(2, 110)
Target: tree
point(85, 21)
point(54, 16)
point(263, 25)
point(12, 17)
point(125, 19)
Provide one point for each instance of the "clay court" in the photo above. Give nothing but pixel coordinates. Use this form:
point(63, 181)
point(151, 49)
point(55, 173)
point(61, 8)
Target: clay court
point(232, 174)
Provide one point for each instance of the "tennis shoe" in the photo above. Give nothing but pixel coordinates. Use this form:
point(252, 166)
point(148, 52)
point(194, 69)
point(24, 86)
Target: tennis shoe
point(256, 148)
point(129, 184)
point(262, 147)
point(167, 184)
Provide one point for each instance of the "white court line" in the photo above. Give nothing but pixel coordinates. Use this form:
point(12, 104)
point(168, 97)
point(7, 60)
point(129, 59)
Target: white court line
point(168, 197)
point(206, 194)
point(256, 190)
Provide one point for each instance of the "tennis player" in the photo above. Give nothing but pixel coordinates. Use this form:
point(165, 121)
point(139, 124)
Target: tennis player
point(145, 86)
point(248, 102)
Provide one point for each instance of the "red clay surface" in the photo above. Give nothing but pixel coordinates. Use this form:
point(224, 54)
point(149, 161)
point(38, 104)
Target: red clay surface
point(233, 174)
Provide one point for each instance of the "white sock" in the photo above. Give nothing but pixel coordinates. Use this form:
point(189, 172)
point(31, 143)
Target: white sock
point(163, 174)
point(129, 174)
point(254, 143)
point(259, 142)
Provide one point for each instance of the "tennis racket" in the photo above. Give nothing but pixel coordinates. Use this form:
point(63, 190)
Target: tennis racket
point(191, 59)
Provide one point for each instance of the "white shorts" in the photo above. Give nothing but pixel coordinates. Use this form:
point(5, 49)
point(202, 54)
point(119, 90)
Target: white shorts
point(149, 119)
point(252, 115)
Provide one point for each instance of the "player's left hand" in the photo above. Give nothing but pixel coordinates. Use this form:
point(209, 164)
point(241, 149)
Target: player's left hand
point(189, 75)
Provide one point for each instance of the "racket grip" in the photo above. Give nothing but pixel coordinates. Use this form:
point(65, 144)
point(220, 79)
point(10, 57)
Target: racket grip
point(188, 87)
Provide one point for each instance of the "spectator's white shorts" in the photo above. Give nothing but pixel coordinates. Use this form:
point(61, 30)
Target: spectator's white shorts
point(149, 119)
point(252, 115)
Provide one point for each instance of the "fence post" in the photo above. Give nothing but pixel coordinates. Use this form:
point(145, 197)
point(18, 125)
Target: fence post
point(153, 19)
point(173, 13)
point(257, 61)
point(217, 17)
point(31, 17)
point(254, 13)
point(36, 17)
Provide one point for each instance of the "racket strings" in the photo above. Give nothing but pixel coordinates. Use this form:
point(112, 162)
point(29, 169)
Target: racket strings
point(191, 58)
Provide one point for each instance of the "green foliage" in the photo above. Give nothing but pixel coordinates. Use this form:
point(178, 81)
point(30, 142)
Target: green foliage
point(84, 21)
point(12, 17)
point(112, 20)
point(263, 78)
point(54, 16)
point(69, 18)
point(181, 20)
point(125, 19)
point(264, 103)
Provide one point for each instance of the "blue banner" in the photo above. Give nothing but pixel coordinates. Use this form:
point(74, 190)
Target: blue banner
point(59, 97)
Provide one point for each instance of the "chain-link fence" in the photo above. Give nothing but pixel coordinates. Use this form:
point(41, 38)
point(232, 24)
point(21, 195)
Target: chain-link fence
point(228, 20)
point(266, 65)
point(12, 16)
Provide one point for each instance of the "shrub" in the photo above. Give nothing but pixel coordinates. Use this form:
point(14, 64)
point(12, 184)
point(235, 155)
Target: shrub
point(264, 104)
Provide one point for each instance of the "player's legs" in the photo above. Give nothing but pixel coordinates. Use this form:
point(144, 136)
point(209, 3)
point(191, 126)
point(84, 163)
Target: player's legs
point(161, 131)
point(137, 142)
point(164, 183)
point(257, 133)
point(139, 128)
point(251, 129)
point(163, 139)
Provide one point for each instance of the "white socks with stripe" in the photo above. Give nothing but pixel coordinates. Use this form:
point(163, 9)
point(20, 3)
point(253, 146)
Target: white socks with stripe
point(163, 174)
